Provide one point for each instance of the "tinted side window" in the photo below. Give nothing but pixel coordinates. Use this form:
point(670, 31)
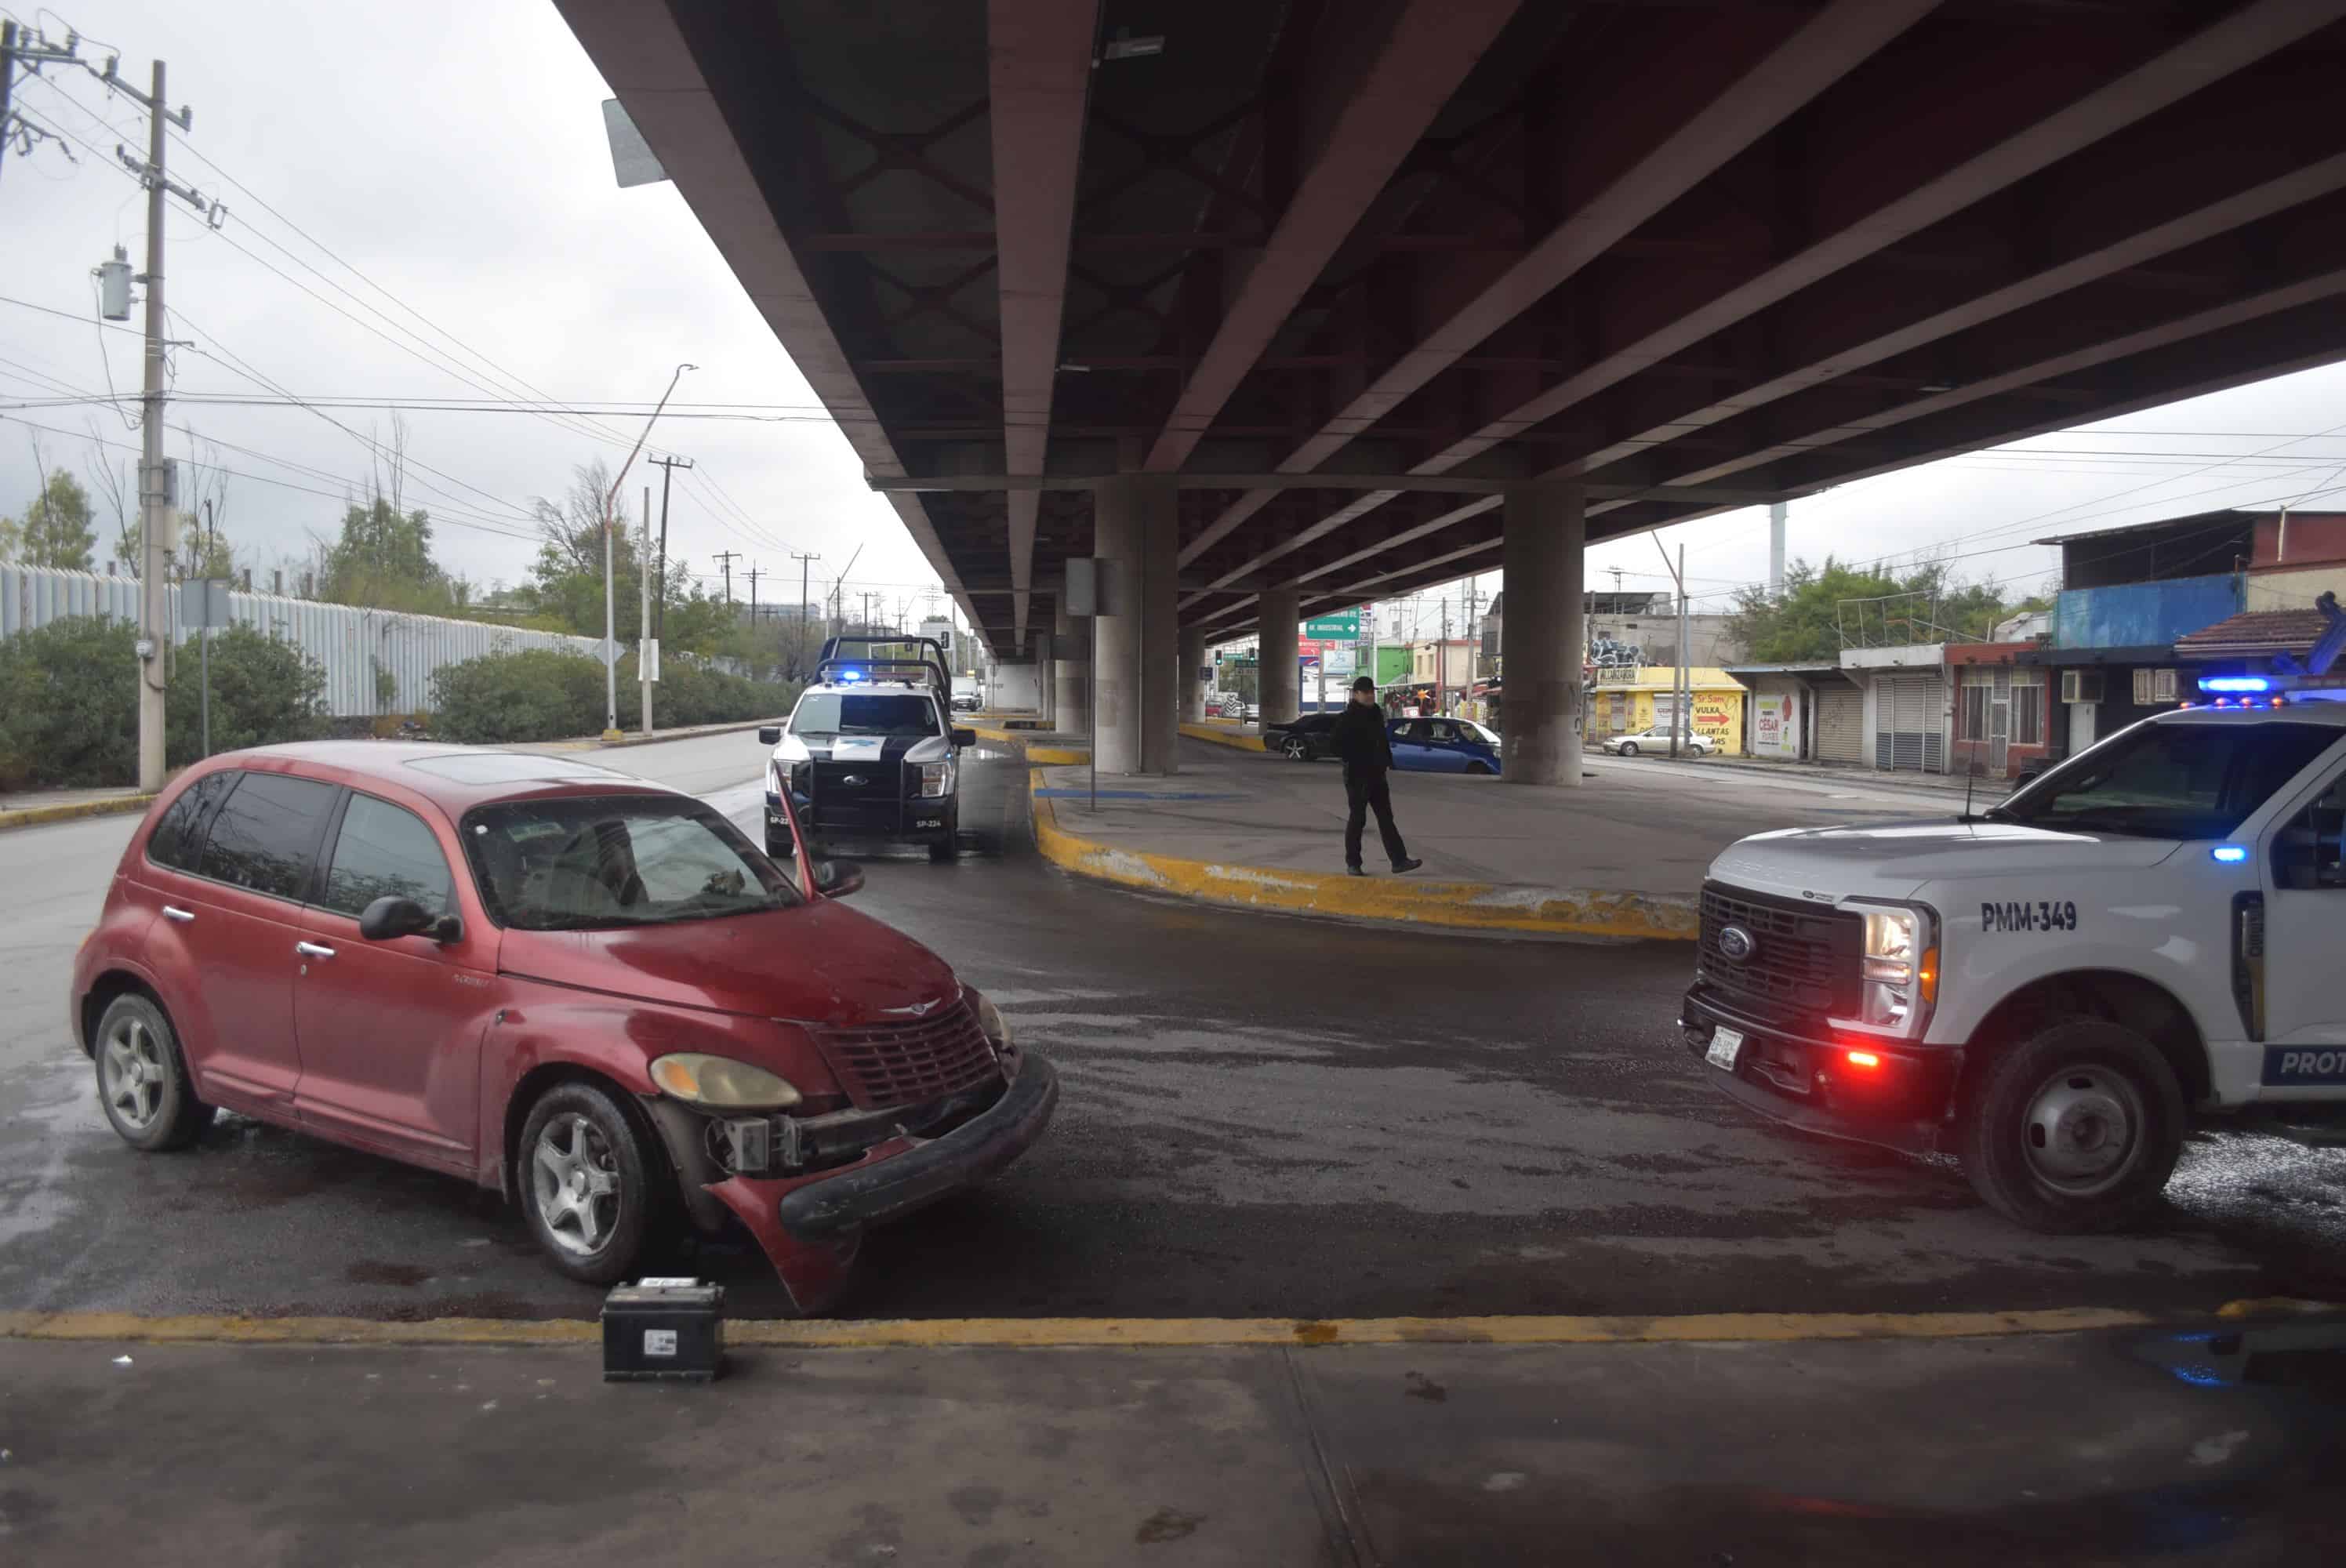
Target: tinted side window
point(263, 838)
point(178, 838)
point(386, 851)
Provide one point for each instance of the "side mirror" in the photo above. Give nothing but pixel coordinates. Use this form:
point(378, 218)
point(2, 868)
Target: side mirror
point(392, 917)
point(964, 738)
point(771, 735)
point(837, 879)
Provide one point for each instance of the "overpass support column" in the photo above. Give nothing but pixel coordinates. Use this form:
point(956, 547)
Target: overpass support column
point(1137, 534)
point(1193, 683)
point(1275, 655)
point(1546, 635)
point(1071, 652)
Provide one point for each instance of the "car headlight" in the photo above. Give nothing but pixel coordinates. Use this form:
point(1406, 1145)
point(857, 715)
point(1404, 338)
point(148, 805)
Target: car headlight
point(1898, 970)
point(936, 780)
point(722, 1083)
point(990, 1020)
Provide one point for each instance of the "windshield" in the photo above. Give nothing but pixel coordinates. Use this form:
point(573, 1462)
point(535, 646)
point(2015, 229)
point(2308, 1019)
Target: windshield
point(613, 861)
point(834, 713)
point(2170, 781)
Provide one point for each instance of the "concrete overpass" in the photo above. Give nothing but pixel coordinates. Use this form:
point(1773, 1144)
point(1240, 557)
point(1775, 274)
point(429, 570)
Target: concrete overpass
point(1281, 304)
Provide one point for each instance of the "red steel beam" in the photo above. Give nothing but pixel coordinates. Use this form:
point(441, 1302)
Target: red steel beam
point(644, 56)
point(2251, 34)
point(1038, 73)
point(1371, 124)
point(2238, 41)
point(1785, 78)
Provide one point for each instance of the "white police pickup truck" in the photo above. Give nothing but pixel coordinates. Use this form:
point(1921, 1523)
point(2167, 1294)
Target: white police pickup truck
point(2050, 988)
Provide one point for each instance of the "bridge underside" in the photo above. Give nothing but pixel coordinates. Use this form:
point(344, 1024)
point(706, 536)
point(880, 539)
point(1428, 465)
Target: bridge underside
point(1339, 277)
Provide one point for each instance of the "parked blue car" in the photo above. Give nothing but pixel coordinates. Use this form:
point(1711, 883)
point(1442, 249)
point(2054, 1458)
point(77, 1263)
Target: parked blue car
point(1443, 746)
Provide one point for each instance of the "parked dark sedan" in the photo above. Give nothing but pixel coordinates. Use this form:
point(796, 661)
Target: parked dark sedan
point(1308, 739)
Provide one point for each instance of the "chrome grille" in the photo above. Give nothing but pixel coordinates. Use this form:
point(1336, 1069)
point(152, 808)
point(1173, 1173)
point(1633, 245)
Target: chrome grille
point(1804, 957)
point(912, 1063)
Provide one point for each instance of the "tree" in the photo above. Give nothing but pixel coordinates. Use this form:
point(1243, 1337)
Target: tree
point(1822, 609)
point(383, 561)
point(11, 537)
point(56, 530)
point(566, 587)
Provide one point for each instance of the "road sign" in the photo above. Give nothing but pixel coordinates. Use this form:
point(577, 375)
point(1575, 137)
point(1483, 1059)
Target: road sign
point(1336, 659)
point(1344, 626)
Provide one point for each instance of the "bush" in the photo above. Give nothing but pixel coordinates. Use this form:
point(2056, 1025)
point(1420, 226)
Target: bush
point(69, 701)
point(507, 697)
point(536, 695)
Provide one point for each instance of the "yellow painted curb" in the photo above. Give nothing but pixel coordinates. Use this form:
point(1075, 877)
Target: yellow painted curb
point(1460, 906)
point(112, 806)
point(1087, 1333)
point(1221, 735)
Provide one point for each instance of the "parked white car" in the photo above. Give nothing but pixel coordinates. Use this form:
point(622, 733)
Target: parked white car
point(1657, 740)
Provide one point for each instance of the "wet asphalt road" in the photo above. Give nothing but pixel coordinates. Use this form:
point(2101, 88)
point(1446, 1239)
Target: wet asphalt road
point(1262, 1116)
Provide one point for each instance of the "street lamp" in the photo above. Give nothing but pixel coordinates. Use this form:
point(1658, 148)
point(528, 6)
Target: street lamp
point(610, 625)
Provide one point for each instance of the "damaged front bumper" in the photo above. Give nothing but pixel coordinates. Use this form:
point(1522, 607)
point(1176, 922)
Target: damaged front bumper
point(811, 1223)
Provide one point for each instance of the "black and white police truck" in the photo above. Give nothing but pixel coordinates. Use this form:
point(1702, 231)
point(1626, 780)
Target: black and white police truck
point(2051, 988)
point(870, 753)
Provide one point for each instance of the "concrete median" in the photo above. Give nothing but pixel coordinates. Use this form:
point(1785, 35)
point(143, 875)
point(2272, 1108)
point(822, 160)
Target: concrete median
point(1453, 905)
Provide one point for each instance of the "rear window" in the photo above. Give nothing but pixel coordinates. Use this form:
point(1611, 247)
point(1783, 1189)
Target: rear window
point(875, 713)
point(178, 838)
point(263, 837)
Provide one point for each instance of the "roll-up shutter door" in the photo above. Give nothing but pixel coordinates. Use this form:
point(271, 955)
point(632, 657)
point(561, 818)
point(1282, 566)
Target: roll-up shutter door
point(1840, 724)
point(1909, 728)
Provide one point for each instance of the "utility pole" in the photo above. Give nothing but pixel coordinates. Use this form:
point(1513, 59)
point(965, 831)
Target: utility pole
point(803, 559)
point(611, 499)
point(669, 465)
point(753, 599)
point(155, 497)
point(725, 559)
point(8, 78)
point(1778, 514)
point(1680, 681)
point(647, 651)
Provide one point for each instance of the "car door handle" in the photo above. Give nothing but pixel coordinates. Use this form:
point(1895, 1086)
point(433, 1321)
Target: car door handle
point(171, 911)
point(311, 950)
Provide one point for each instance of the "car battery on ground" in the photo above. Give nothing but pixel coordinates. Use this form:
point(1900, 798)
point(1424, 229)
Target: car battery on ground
point(663, 1328)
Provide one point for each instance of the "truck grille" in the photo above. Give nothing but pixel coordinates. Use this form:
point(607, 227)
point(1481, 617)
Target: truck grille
point(1804, 960)
point(874, 800)
point(911, 1063)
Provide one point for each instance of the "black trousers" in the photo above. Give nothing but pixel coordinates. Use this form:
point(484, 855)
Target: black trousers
point(1363, 791)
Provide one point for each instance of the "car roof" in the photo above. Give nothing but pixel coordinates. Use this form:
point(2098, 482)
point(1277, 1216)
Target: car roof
point(455, 778)
point(2301, 711)
point(868, 688)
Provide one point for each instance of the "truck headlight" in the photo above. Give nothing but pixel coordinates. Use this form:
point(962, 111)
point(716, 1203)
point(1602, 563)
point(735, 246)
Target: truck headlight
point(936, 780)
point(722, 1083)
point(1898, 970)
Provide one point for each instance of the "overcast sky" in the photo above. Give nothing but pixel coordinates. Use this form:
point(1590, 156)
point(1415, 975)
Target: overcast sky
point(454, 155)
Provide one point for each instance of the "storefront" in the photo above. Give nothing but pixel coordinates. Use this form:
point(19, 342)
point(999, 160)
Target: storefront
point(2002, 721)
point(1800, 712)
point(1631, 699)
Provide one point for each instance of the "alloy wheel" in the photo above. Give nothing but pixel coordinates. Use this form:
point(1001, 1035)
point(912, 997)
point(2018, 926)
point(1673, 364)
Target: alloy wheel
point(576, 1179)
point(134, 1070)
point(2083, 1130)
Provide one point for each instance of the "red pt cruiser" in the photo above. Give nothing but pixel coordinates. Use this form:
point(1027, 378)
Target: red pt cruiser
point(590, 992)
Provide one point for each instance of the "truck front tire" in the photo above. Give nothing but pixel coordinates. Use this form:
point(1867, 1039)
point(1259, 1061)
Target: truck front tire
point(2075, 1128)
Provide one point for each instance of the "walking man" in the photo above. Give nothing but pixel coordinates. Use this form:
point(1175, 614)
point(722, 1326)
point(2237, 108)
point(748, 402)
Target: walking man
point(1361, 742)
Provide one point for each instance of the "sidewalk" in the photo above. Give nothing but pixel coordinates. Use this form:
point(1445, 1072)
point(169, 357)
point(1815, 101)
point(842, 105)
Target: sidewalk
point(33, 807)
point(2120, 1443)
point(1622, 855)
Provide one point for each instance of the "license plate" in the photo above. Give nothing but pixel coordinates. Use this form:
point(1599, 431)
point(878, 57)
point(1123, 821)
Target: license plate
point(1726, 1045)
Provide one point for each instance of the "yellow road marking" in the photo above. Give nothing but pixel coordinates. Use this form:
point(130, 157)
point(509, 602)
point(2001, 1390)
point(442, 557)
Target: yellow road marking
point(71, 811)
point(1091, 1333)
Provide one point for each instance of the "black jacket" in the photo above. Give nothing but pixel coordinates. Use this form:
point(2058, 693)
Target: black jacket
point(1361, 739)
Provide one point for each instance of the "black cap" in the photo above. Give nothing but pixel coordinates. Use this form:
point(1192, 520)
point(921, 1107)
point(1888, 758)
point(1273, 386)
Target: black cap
point(1365, 684)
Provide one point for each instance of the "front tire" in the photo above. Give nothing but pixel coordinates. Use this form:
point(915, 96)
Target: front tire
point(589, 1184)
point(1297, 749)
point(142, 1078)
point(780, 847)
point(2075, 1129)
point(1628, 749)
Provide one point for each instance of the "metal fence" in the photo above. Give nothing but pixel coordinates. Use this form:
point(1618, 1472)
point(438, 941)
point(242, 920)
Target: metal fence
point(357, 646)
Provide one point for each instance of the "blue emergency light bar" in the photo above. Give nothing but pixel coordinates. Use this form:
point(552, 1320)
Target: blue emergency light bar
point(2235, 683)
point(2230, 854)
